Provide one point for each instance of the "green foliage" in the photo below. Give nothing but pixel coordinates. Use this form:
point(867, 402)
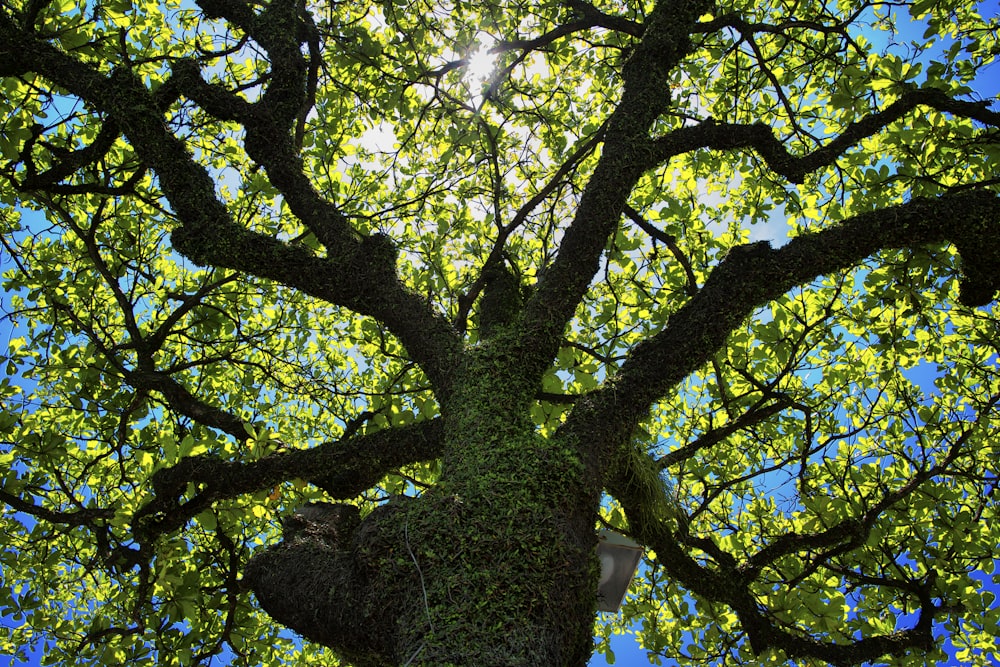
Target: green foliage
point(860, 404)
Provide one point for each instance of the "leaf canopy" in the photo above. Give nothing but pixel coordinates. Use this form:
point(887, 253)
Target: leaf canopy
point(196, 202)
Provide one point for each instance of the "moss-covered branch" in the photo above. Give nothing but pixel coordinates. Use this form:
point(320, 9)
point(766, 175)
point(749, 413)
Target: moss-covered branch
point(343, 469)
point(664, 44)
point(358, 273)
point(761, 138)
point(634, 481)
point(752, 275)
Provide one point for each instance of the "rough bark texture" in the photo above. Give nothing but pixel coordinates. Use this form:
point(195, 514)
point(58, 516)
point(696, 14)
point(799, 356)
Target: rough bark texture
point(495, 566)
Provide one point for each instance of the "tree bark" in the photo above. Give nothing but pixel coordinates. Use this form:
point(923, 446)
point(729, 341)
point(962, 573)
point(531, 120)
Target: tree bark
point(495, 566)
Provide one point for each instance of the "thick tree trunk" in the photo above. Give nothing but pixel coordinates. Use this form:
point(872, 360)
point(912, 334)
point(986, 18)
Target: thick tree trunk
point(495, 566)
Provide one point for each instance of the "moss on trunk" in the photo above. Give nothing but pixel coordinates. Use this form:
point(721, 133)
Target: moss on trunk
point(493, 567)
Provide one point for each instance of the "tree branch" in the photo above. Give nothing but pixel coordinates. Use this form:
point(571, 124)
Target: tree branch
point(342, 468)
point(726, 136)
point(68, 162)
point(735, 21)
point(270, 140)
point(83, 517)
point(584, 150)
point(724, 582)
point(729, 581)
point(752, 275)
point(757, 414)
point(664, 44)
point(186, 403)
point(359, 274)
point(749, 277)
point(586, 17)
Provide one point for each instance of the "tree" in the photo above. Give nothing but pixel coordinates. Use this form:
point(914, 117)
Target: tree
point(266, 254)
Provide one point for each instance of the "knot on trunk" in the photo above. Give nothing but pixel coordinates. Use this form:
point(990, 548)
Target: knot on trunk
point(315, 583)
point(326, 522)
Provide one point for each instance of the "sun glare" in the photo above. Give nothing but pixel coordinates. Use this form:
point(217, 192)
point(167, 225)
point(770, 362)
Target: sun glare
point(479, 63)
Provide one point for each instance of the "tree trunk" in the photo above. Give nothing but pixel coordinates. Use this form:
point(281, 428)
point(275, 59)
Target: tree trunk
point(495, 566)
